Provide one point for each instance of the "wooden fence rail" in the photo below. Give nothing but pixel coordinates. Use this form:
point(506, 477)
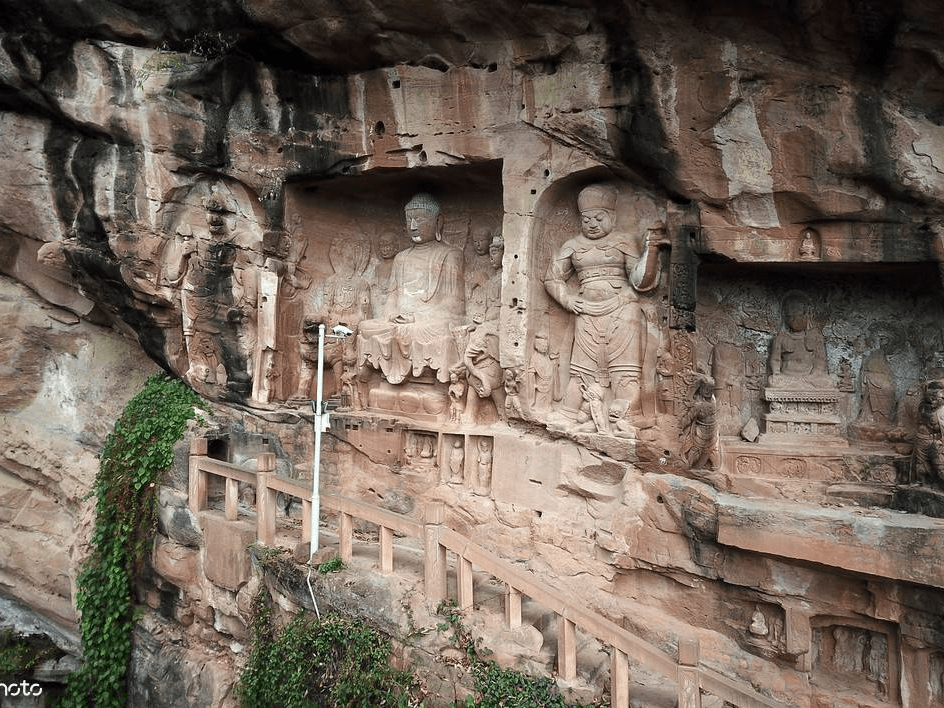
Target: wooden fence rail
point(438, 539)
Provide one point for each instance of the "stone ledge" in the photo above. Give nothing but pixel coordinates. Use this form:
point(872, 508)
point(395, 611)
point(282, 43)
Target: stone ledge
point(884, 544)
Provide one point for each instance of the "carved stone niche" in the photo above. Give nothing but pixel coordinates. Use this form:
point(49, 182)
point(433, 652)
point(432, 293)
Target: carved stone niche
point(407, 272)
point(598, 248)
point(856, 658)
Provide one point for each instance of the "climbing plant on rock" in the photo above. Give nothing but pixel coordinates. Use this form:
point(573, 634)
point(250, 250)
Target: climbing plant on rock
point(334, 662)
point(136, 454)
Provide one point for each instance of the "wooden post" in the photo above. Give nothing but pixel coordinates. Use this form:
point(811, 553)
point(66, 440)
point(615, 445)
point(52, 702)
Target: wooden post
point(231, 508)
point(512, 607)
point(346, 536)
point(465, 583)
point(566, 649)
point(386, 550)
point(434, 557)
point(197, 483)
point(619, 678)
point(689, 685)
point(265, 499)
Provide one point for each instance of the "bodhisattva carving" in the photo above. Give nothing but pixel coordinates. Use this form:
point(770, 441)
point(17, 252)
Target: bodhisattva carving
point(479, 267)
point(480, 353)
point(218, 298)
point(512, 385)
point(610, 330)
point(388, 245)
point(427, 300)
point(347, 301)
point(457, 393)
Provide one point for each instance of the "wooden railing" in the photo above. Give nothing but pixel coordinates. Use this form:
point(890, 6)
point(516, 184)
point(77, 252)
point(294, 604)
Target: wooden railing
point(438, 539)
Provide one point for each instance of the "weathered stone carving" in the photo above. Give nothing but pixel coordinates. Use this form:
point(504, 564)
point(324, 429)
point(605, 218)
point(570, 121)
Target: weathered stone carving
point(809, 245)
point(803, 398)
point(541, 374)
point(928, 453)
point(388, 245)
point(701, 443)
point(878, 391)
point(218, 299)
point(610, 328)
point(347, 302)
point(482, 479)
point(428, 299)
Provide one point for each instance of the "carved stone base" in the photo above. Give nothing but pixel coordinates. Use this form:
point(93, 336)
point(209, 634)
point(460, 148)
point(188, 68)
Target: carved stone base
point(803, 415)
point(420, 400)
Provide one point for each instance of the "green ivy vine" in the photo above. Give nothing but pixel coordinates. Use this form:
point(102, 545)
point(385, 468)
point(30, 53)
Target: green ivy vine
point(333, 662)
point(136, 454)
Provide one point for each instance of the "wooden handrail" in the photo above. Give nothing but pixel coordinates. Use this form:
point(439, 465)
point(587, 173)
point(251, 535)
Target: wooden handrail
point(438, 538)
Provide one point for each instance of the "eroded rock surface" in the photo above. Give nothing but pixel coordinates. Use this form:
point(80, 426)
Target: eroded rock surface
point(647, 293)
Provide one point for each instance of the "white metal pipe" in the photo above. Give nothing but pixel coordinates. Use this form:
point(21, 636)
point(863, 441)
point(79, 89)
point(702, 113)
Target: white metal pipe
point(316, 460)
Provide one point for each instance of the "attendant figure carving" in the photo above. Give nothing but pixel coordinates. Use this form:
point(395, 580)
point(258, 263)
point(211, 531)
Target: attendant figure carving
point(878, 390)
point(479, 267)
point(610, 326)
point(457, 392)
point(215, 302)
point(928, 452)
point(541, 373)
point(383, 291)
point(482, 482)
point(512, 387)
point(701, 444)
point(346, 302)
point(428, 298)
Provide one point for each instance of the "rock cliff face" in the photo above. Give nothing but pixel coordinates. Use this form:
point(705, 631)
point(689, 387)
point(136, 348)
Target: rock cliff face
point(663, 324)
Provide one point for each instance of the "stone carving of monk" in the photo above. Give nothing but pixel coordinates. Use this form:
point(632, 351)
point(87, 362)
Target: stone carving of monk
point(610, 328)
point(427, 298)
point(798, 351)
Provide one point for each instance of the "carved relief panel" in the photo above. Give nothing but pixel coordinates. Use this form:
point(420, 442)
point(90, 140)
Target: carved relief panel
point(596, 309)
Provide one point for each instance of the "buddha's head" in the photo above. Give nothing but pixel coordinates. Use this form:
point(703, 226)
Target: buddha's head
point(423, 219)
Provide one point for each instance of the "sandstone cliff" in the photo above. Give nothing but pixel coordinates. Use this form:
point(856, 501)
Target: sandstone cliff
point(196, 186)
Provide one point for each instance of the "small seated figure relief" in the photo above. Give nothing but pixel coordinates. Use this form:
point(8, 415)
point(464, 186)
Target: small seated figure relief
point(798, 351)
point(701, 442)
point(809, 245)
point(541, 374)
point(610, 328)
point(927, 461)
point(427, 300)
point(482, 481)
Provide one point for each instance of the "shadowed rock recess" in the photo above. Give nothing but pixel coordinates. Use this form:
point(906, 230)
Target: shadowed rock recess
point(645, 299)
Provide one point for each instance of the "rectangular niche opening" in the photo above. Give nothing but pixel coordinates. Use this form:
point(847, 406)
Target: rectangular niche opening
point(860, 659)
